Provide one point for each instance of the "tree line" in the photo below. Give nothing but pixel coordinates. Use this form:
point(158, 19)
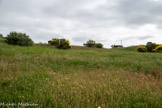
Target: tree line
point(22, 39)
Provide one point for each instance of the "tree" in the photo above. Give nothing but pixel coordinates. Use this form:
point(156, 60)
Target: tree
point(20, 39)
point(90, 43)
point(99, 45)
point(1, 35)
point(150, 46)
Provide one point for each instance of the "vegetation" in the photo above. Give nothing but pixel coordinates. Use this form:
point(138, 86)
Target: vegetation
point(141, 48)
point(92, 43)
point(20, 39)
point(2, 39)
point(61, 43)
point(99, 45)
point(80, 77)
point(158, 48)
point(150, 46)
point(112, 46)
point(1, 36)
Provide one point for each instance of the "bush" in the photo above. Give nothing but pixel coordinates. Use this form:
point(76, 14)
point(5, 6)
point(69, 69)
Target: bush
point(90, 43)
point(55, 41)
point(112, 46)
point(20, 39)
point(158, 48)
point(61, 43)
point(141, 48)
point(153, 50)
point(1, 36)
point(99, 45)
point(2, 39)
point(150, 46)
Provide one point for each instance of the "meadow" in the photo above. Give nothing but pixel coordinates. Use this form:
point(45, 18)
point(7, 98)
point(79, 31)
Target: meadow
point(80, 77)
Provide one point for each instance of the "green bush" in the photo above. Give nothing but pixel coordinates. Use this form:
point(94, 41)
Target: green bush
point(99, 45)
point(1, 36)
point(158, 48)
point(61, 43)
point(90, 43)
point(20, 39)
point(150, 46)
point(55, 41)
point(2, 39)
point(112, 46)
point(141, 48)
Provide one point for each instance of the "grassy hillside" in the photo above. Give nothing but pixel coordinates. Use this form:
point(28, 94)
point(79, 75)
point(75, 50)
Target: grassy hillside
point(80, 77)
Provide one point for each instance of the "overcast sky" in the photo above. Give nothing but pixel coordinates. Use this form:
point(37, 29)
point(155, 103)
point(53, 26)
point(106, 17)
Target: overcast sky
point(106, 21)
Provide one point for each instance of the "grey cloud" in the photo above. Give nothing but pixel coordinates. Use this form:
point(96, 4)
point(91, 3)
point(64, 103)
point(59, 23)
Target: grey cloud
point(84, 38)
point(102, 15)
point(138, 37)
point(145, 37)
point(128, 12)
point(43, 20)
point(140, 12)
point(45, 36)
point(80, 38)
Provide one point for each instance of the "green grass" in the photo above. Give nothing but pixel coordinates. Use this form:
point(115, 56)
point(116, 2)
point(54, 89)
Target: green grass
point(80, 77)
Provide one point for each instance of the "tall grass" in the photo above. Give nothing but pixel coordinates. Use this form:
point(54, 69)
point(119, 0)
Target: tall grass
point(80, 77)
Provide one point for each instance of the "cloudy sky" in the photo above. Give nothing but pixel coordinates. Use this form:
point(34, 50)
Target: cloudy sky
point(106, 21)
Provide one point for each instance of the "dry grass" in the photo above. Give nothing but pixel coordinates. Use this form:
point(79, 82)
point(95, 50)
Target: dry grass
point(79, 77)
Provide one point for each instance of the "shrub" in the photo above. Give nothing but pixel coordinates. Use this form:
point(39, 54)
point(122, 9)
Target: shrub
point(158, 48)
point(20, 39)
point(99, 45)
point(61, 43)
point(1, 36)
point(150, 46)
point(90, 43)
point(55, 41)
point(141, 48)
point(153, 50)
point(2, 39)
point(112, 46)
